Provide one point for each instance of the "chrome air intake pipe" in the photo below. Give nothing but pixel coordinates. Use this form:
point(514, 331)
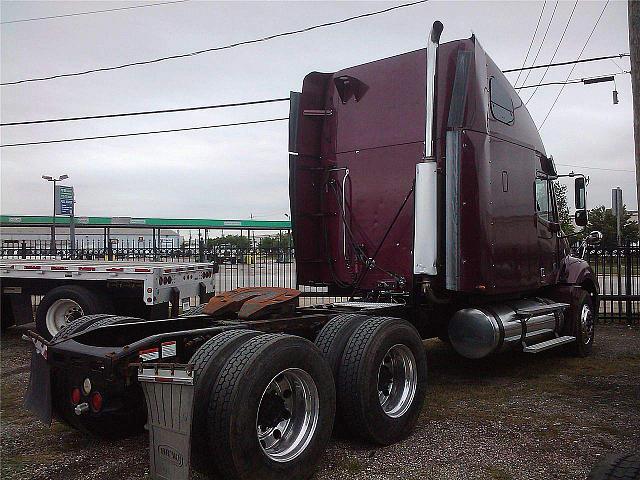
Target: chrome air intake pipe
point(479, 332)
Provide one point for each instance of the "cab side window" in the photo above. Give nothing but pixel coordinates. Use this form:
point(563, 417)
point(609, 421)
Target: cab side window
point(501, 103)
point(544, 207)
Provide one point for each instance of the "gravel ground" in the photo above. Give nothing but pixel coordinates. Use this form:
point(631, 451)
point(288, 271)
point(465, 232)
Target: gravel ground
point(513, 416)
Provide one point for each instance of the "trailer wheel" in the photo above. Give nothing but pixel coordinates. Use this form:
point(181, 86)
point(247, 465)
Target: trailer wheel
point(79, 324)
point(582, 324)
point(382, 380)
point(64, 304)
point(271, 410)
point(207, 363)
point(617, 467)
point(194, 311)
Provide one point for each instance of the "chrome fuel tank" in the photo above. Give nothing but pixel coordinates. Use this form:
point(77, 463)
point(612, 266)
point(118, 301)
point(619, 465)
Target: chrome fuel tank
point(478, 332)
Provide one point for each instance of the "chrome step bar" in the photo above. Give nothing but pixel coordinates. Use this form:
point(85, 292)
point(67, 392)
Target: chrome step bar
point(542, 346)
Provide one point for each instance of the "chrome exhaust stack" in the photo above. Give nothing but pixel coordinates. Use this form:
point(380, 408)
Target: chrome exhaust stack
point(425, 241)
point(432, 48)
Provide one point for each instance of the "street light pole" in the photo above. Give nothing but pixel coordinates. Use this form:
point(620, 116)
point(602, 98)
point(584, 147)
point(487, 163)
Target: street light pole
point(49, 178)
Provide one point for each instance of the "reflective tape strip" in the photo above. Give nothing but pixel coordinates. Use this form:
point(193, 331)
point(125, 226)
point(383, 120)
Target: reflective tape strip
point(149, 354)
point(168, 349)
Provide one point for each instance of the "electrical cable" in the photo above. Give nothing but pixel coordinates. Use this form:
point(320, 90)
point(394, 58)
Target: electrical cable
point(555, 52)
point(574, 65)
point(532, 40)
point(569, 62)
point(544, 37)
point(574, 80)
point(214, 49)
point(595, 168)
point(50, 17)
point(143, 133)
point(147, 112)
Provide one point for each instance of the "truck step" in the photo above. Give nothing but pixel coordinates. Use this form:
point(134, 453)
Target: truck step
point(540, 310)
point(539, 347)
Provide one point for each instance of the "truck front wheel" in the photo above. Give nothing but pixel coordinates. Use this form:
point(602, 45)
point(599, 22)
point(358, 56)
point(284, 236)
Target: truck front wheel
point(582, 319)
point(271, 410)
point(64, 304)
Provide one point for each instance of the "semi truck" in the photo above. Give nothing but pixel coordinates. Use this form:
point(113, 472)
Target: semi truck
point(421, 191)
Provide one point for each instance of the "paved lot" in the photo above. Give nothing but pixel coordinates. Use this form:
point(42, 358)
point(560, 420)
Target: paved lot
point(510, 417)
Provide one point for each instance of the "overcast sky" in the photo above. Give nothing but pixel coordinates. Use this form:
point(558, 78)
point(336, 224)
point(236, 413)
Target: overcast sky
point(238, 171)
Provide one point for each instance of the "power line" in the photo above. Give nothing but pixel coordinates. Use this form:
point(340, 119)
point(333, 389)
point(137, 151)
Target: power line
point(147, 112)
point(574, 65)
point(575, 80)
point(569, 62)
point(544, 37)
point(535, 32)
point(91, 12)
point(595, 168)
point(143, 133)
point(215, 49)
point(544, 74)
point(239, 104)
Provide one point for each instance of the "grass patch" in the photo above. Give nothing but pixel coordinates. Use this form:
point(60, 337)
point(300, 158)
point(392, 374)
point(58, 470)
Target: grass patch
point(352, 465)
point(497, 473)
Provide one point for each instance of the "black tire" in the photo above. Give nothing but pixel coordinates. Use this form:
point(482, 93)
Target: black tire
point(583, 346)
point(194, 311)
point(333, 337)
point(617, 467)
point(207, 363)
point(78, 325)
point(90, 303)
point(358, 380)
point(331, 340)
point(237, 395)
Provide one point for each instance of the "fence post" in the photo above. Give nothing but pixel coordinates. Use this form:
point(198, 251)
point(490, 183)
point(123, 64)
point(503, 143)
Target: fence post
point(110, 251)
point(627, 282)
point(201, 250)
point(23, 250)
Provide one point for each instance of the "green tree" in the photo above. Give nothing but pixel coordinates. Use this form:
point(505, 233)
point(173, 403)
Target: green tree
point(602, 219)
point(236, 241)
point(566, 222)
point(276, 241)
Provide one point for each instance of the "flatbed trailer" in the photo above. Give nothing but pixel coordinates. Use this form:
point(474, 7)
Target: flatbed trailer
point(71, 289)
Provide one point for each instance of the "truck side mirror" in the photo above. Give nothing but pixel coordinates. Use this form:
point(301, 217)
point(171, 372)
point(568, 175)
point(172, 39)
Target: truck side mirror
point(581, 218)
point(581, 194)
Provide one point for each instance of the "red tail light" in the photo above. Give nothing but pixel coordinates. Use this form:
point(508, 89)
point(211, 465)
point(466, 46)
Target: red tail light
point(75, 396)
point(96, 402)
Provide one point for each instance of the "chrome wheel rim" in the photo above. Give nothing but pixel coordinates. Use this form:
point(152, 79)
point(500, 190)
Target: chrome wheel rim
point(287, 415)
point(397, 381)
point(60, 313)
point(586, 324)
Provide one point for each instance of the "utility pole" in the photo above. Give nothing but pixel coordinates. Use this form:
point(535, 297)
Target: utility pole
point(634, 48)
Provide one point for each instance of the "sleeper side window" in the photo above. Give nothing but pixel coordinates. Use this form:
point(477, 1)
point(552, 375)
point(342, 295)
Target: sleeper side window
point(544, 208)
point(501, 102)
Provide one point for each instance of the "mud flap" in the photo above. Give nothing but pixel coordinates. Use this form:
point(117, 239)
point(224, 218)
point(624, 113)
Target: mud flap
point(38, 396)
point(168, 390)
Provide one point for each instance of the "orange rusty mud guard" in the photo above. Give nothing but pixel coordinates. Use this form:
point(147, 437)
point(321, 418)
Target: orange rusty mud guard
point(253, 303)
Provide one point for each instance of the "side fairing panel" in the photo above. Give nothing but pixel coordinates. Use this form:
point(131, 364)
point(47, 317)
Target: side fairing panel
point(353, 179)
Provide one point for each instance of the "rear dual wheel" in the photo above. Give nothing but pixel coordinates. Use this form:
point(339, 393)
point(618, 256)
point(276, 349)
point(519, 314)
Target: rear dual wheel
point(381, 376)
point(270, 407)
